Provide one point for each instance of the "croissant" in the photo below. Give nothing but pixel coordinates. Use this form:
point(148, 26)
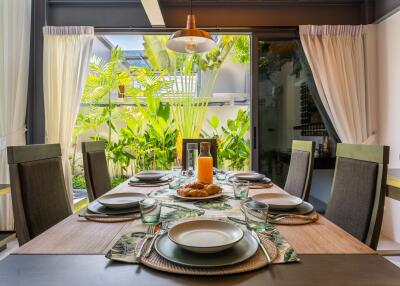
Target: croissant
point(213, 189)
point(198, 190)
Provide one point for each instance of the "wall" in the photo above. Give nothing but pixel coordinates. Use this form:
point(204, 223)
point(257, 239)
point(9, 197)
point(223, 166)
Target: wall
point(389, 107)
point(389, 86)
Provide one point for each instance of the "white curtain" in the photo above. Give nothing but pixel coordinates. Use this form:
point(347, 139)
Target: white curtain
point(66, 54)
point(337, 57)
point(15, 22)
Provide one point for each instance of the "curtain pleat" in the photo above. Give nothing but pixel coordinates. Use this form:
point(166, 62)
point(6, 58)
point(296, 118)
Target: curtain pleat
point(336, 55)
point(15, 22)
point(66, 55)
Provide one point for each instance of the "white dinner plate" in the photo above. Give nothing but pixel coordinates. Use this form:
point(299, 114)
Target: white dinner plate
point(121, 200)
point(278, 201)
point(205, 236)
point(175, 194)
point(250, 176)
point(149, 176)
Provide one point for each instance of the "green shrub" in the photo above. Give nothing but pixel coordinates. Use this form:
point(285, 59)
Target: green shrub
point(78, 182)
point(117, 181)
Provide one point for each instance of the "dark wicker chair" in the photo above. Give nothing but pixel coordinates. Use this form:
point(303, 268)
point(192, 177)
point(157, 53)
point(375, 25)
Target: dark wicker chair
point(38, 190)
point(97, 178)
point(298, 181)
point(358, 190)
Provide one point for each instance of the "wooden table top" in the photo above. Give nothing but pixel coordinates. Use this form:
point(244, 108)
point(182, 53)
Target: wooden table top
point(75, 235)
point(96, 270)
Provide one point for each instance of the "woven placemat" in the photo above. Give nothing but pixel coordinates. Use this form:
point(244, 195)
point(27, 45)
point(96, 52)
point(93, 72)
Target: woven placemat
point(108, 219)
point(296, 219)
point(145, 185)
point(260, 186)
point(258, 261)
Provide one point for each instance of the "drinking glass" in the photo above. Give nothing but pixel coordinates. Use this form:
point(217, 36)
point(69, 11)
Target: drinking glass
point(241, 189)
point(176, 183)
point(192, 152)
point(221, 176)
point(150, 209)
point(255, 214)
point(176, 171)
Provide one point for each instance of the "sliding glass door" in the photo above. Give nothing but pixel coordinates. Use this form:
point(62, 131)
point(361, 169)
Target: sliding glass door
point(283, 106)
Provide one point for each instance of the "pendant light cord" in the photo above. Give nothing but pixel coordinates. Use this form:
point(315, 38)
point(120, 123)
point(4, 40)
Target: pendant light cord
point(191, 10)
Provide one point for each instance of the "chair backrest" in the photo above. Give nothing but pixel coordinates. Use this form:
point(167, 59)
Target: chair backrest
point(95, 167)
point(299, 179)
point(358, 190)
point(213, 151)
point(38, 190)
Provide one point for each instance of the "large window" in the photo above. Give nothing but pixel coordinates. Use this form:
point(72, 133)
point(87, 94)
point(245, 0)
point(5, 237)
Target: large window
point(142, 99)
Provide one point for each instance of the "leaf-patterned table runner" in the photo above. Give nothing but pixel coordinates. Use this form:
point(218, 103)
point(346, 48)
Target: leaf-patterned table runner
point(175, 210)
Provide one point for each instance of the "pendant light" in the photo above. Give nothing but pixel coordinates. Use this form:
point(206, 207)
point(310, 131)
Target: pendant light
point(191, 40)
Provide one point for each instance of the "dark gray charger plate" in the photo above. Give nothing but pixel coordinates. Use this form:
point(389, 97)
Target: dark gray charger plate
point(135, 180)
point(302, 209)
point(240, 252)
point(97, 208)
point(263, 181)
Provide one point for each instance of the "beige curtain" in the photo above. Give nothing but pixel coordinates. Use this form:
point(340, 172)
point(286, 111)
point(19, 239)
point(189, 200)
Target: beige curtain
point(338, 60)
point(15, 23)
point(66, 54)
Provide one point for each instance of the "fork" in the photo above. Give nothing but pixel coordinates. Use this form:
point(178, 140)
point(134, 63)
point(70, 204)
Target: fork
point(149, 234)
point(160, 231)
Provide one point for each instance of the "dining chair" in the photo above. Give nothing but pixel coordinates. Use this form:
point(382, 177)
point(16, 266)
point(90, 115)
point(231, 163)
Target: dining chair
point(213, 149)
point(299, 178)
point(38, 191)
point(358, 190)
point(97, 178)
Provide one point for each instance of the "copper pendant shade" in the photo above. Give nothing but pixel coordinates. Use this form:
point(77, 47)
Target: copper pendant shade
point(191, 40)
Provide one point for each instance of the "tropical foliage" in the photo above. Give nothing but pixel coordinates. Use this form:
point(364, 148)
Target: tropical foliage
point(234, 147)
point(163, 103)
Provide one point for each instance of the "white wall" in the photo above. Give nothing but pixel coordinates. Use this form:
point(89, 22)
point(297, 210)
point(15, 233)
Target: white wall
point(233, 78)
point(389, 86)
point(388, 44)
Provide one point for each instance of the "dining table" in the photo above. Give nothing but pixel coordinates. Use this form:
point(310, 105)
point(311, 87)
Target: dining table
point(73, 253)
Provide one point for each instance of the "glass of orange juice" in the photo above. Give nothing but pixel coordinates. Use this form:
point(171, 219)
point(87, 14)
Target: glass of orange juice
point(205, 164)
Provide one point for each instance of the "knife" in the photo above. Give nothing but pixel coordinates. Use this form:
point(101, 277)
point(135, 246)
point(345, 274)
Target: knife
point(255, 235)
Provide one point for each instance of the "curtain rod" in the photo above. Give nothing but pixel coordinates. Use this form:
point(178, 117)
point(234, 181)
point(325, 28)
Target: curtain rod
point(211, 29)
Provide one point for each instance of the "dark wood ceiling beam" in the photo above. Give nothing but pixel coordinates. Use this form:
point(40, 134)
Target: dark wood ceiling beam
point(283, 3)
point(94, 3)
point(264, 16)
point(386, 8)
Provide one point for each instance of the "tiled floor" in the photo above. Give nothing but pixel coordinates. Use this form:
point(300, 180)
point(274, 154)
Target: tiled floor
point(11, 247)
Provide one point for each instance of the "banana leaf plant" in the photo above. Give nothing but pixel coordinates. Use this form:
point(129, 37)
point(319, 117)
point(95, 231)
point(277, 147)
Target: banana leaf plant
point(160, 132)
point(194, 78)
